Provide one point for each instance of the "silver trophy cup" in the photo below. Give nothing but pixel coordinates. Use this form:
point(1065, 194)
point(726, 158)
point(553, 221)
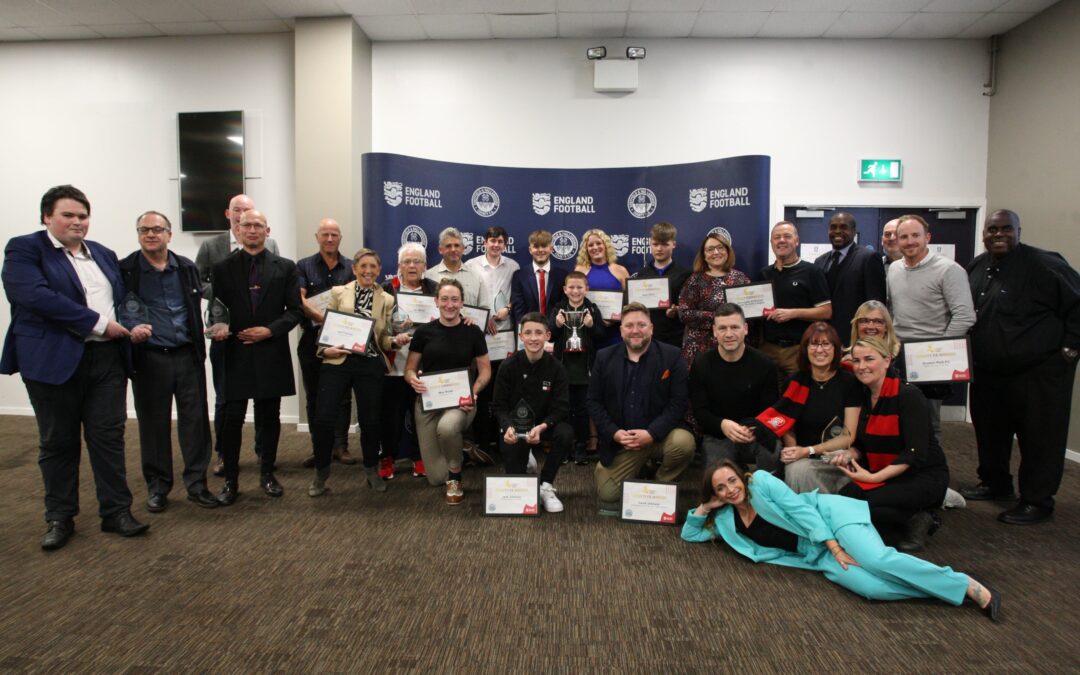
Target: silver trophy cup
point(575, 319)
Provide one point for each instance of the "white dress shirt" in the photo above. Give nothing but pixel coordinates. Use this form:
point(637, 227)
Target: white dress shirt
point(96, 288)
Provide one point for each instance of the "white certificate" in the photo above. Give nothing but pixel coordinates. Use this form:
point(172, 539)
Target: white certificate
point(446, 389)
point(320, 301)
point(608, 302)
point(500, 345)
point(350, 331)
point(420, 308)
point(946, 360)
point(478, 315)
point(649, 501)
point(511, 495)
point(754, 299)
point(653, 293)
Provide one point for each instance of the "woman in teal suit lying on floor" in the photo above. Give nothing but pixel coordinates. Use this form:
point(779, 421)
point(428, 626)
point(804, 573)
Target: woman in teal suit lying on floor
point(761, 518)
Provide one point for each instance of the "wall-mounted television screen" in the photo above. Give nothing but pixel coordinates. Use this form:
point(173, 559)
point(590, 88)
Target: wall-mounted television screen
point(211, 167)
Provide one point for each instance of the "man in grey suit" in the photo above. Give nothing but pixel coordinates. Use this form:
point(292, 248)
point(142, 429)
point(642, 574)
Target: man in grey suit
point(211, 252)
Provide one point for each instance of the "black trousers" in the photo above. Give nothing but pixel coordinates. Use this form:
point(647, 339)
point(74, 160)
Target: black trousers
point(163, 376)
point(267, 428)
point(579, 416)
point(1034, 406)
point(310, 367)
point(397, 403)
point(93, 401)
point(363, 376)
point(485, 426)
point(217, 370)
point(516, 456)
point(895, 502)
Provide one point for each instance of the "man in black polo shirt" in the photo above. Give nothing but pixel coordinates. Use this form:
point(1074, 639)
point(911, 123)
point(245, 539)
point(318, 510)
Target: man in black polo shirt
point(318, 274)
point(730, 384)
point(800, 294)
point(666, 325)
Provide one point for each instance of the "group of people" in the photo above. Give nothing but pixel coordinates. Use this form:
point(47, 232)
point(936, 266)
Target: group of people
point(820, 406)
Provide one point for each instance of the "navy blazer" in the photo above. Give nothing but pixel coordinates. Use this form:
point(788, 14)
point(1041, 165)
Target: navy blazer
point(861, 277)
point(666, 398)
point(524, 293)
point(50, 320)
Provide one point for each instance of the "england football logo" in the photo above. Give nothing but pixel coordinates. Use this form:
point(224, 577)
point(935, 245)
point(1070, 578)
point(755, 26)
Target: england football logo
point(641, 203)
point(564, 245)
point(485, 202)
point(392, 192)
point(541, 202)
point(621, 244)
point(699, 199)
point(467, 241)
point(722, 233)
point(414, 234)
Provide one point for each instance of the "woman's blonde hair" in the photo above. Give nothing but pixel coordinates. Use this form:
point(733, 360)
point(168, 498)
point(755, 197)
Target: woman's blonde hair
point(892, 343)
point(874, 343)
point(583, 254)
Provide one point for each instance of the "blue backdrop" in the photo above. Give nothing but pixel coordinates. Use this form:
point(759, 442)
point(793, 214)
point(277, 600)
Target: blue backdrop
point(412, 199)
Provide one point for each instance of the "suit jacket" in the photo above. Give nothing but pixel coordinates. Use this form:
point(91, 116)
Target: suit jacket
point(189, 284)
point(343, 299)
point(49, 316)
point(666, 396)
point(524, 292)
point(214, 250)
point(263, 369)
point(861, 277)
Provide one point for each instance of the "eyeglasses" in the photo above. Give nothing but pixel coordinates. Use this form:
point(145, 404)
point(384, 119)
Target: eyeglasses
point(252, 226)
point(714, 249)
point(872, 322)
point(413, 262)
point(823, 346)
point(143, 231)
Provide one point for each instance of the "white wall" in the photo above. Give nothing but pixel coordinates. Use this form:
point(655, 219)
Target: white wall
point(101, 115)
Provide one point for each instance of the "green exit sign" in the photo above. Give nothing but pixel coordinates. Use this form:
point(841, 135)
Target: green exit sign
point(880, 171)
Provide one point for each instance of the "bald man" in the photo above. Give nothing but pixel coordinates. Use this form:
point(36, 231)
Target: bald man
point(318, 274)
point(890, 244)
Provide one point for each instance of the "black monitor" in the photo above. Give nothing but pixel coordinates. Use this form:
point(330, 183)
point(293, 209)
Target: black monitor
point(211, 168)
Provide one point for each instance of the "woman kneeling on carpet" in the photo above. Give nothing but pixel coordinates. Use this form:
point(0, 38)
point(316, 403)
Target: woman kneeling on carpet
point(763, 519)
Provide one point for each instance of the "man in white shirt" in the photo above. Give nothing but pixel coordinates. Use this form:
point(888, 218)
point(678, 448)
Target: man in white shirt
point(451, 249)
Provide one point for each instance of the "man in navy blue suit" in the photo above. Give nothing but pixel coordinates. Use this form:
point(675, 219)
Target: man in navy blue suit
point(74, 359)
point(854, 273)
point(536, 287)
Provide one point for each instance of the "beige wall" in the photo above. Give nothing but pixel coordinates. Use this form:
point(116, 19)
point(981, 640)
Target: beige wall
point(1034, 149)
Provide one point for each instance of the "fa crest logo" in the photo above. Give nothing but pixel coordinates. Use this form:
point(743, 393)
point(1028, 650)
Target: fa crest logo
point(564, 245)
point(392, 192)
point(776, 422)
point(722, 233)
point(699, 199)
point(467, 241)
point(414, 234)
point(641, 203)
point(621, 244)
point(485, 202)
point(541, 202)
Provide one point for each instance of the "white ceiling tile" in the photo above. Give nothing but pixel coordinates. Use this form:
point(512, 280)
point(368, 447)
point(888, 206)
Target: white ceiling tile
point(853, 25)
point(812, 5)
point(233, 10)
point(519, 6)
point(92, 12)
point(65, 33)
point(190, 28)
point(523, 26)
point(931, 26)
point(962, 5)
point(30, 13)
point(162, 11)
point(128, 30)
point(656, 25)
point(667, 6)
point(598, 25)
point(456, 26)
point(448, 6)
point(255, 26)
point(391, 27)
point(738, 5)
point(1026, 5)
point(995, 23)
point(593, 5)
point(887, 5)
point(289, 9)
point(375, 7)
point(16, 35)
point(728, 24)
point(797, 24)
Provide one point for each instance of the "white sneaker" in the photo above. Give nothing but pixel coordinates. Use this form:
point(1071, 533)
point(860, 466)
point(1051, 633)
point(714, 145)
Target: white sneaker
point(550, 500)
point(954, 500)
point(531, 467)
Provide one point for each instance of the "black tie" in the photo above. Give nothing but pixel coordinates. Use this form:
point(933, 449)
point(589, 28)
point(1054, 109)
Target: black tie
point(254, 287)
point(834, 269)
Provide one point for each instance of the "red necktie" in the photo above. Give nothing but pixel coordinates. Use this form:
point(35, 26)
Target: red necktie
point(543, 293)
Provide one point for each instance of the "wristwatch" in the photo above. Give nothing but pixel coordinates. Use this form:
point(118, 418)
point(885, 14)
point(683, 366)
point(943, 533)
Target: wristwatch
point(810, 448)
point(1069, 353)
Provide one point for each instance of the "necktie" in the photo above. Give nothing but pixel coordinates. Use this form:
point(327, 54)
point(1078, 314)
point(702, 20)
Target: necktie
point(834, 269)
point(253, 284)
point(543, 293)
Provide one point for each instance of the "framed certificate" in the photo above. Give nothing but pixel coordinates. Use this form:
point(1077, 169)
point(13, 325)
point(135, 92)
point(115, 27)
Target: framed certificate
point(501, 345)
point(755, 299)
point(418, 307)
point(649, 501)
point(947, 360)
point(340, 329)
point(608, 302)
point(511, 495)
point(653, 293)
point(320, 301)
point(479, 315)
point(446, 389)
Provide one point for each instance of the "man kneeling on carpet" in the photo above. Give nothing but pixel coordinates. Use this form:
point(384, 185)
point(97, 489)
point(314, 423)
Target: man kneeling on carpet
point(532, 405)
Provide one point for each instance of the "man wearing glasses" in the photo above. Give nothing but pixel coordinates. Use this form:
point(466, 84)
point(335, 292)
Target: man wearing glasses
point(168, 355)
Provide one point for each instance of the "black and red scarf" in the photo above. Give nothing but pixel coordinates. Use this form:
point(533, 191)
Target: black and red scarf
point(880, 441)
point(783, 414)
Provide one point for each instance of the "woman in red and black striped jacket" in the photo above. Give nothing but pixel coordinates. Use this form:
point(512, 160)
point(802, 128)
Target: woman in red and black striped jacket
point(901, 469)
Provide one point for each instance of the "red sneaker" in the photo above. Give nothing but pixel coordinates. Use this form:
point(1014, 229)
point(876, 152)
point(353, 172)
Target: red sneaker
point(386, 468)
point(418, 469)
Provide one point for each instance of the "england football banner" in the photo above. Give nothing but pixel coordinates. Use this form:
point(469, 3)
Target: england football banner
point(412, 199)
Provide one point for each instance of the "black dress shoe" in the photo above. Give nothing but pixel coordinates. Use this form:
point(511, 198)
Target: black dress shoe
point(156, 502)
point(993, 609)
point(123, 524)
point(1025, 514)
point(228, 494)
point(204, 498)
point(58, 534)
point(918, 533)
point(983, 492)
point(270, 485)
